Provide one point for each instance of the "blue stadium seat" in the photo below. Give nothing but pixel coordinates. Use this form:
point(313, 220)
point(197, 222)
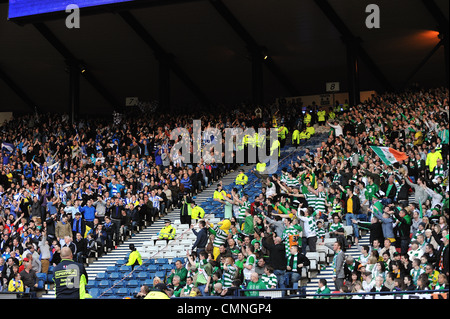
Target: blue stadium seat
point(148, 261)
point(121, 262)
point(118, 283)
point(104, 283)
point(152, 268)
point(91, 284)
point(142, 275)
point(115, 275)
point(122, 292)
point(167, 267)
point(161, 274)
point(42, 278)
point(102, 275)
point(50, 274)
point(108, 292)
point(125, 269)
point(182, 259)
point(132, 283)
point(111, 269)
point(94, 292)
point(162, 261)
point(148, 282)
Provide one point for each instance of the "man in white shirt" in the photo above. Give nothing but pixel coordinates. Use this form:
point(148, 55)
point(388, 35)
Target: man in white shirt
point(337, 128)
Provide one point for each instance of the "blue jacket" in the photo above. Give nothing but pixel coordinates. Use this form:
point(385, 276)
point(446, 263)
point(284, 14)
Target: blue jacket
point(202, 238)
point(88, 212)
point(387, 224)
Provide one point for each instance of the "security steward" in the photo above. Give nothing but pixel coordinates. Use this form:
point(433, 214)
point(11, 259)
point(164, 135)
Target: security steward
point(159, 292)
point(135, 258)
point(197, 212)
point(70, 277)
point(241, 179)
point(167, 232)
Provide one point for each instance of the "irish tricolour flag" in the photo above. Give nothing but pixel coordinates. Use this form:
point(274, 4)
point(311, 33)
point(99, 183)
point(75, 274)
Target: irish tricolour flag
point(388, 155)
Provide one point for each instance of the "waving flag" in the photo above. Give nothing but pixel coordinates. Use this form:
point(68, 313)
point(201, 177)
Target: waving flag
point(8, 147)
point(388, 155)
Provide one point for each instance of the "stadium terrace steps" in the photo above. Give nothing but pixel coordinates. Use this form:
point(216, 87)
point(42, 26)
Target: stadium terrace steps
point(327, 273)
point(100, 266)
point(122, 251)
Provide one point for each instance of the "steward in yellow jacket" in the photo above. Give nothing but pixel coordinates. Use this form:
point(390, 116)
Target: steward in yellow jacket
point(168, 231)
point(134, 258)
point(321, 117)
point(310, 129)
point(296, 137)
point(197, 211)
point(241, 179)
point(282, 134)
point(304, 135)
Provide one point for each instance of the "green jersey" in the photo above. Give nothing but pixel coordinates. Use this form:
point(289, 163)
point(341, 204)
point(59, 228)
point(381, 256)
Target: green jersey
point(254, 285)
point(371, 190)
point(292, 236)
point(270, 280)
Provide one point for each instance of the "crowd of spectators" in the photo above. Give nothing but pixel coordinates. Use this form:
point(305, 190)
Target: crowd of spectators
point(89, 185)
point(403, 206)
point(97, 181)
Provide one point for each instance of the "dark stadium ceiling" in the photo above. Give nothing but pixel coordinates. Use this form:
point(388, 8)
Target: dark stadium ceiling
point(301, 41)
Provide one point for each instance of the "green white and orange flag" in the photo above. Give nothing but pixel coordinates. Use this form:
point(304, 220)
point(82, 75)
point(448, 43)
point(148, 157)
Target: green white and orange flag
point(388, 155)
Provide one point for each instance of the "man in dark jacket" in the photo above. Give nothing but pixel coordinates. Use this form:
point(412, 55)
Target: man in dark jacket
point(390, 190)
point(81, 250)
point(295, 263)
point(443, 257)
point(277, 257)
point(352, 209)
point(202, 237)
point(403, 228)
point(375, 228)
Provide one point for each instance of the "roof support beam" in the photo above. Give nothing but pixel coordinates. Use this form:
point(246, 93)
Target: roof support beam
point(424, 61)
point(443, 28)
point(354, 94)
point(163, 57)
point(74, 90)
point(68, 56)
point(20, 93)
point(254, 48)
point(348, 37)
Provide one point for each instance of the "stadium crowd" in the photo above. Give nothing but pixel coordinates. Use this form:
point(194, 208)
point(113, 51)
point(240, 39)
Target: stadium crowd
point(88, 186)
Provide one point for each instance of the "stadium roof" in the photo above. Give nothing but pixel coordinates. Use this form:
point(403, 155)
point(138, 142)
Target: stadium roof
point(208, 43)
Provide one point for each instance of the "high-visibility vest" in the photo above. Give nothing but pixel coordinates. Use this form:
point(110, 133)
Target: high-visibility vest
point(245, 139)
point(261, 140)
point(156, 295)
point(219, 195)
point(304, 135)
point(261, 167)
point(197, 212)
point(241, 179)
point(310, 130)
point(251, 141)
point(296, 136)
point(321, 116)
point(275, 146)
point(331, 115)
point(282, 131)
point(167, 232)
point(307, 118)
point(134, 257)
